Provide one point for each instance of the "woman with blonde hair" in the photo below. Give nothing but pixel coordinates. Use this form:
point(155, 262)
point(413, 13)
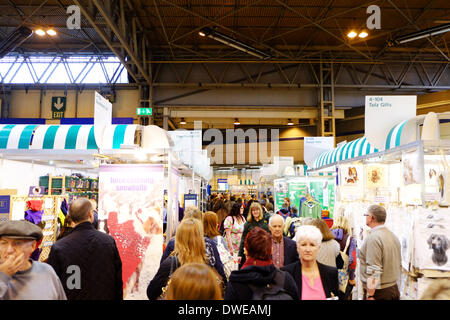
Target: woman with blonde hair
point(189, 248)
point(210, 224)
point(194, 281)
point(329, 249)
point(256, 218)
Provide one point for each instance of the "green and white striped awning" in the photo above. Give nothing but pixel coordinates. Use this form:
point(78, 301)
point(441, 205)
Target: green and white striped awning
point(15, 136)
point(115, 136)
point(352, 149)
point(64, 137)
point(394, 137)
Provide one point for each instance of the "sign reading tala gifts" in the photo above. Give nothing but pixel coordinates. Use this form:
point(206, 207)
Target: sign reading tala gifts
point(131, 200)
point(382, 113)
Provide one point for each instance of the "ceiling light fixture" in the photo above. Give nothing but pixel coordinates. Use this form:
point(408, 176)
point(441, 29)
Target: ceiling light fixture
point(352, 34)
point(51, 32)
point(290, 123)
point(236, 122)
point(40, 32)
point(363, 34)
point(422, 34)
point(182, 121)
point(223, 38)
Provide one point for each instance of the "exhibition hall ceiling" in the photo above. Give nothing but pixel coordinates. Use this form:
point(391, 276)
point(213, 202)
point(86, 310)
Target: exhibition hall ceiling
point(285, 30)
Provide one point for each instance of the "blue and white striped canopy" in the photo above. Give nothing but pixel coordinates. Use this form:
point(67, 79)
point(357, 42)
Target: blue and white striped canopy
point(16, 136)
point(394, 137)
point(64, 137)
point(352, 149)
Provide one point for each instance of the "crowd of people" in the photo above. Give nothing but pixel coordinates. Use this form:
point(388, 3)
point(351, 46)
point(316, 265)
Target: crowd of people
point(239, 249)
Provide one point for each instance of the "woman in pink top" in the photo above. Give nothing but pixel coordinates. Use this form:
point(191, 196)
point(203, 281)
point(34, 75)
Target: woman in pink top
point(315, 281)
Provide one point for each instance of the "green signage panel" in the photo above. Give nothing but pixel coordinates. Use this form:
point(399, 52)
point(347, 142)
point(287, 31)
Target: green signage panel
point(58, 107)
point(144, 111)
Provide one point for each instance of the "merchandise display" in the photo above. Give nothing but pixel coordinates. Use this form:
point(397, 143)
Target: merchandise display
point(404, 180)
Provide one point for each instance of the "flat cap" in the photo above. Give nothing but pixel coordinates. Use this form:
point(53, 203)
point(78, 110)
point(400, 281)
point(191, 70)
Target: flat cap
point(20, 230)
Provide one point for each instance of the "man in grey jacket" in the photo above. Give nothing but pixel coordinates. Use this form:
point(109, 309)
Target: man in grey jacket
point(20, 277)
point(380, 258)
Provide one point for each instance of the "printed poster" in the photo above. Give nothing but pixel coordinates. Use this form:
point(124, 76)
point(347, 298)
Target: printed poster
point(375, 176)
point(411, 168)
point(352, 175)
point(130, 205)
point(432, 242)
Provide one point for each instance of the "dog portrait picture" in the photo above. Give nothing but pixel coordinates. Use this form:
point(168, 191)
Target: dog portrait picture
point(439, 243)
point(375, 177)
point(352, 176)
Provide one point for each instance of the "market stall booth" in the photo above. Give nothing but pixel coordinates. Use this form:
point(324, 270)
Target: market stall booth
point(410, 178)
point(134, 168)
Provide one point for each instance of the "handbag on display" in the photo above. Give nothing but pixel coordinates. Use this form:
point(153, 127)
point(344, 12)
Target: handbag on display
point(343, 275)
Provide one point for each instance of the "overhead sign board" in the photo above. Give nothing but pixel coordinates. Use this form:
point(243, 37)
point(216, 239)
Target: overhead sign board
point(382, 113)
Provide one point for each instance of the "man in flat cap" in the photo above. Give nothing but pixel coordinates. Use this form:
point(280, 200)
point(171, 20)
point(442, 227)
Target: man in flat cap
point(20, 277)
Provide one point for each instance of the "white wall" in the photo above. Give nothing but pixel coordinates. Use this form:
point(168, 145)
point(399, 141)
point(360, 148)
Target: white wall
point(22, 175)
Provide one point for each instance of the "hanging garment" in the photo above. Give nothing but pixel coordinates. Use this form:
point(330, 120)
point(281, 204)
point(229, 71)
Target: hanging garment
point(34, 217)
point(311, 209)
point(35, 205)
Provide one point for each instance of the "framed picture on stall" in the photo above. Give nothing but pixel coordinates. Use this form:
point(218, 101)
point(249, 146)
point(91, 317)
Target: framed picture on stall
point(376, 176)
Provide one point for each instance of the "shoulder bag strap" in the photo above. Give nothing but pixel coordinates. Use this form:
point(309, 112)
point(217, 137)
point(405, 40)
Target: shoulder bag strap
point(347, 243)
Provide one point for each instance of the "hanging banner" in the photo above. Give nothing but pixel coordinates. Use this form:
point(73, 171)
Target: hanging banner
point(102, 117)
point(314, 146)
point(324, 193)
point(131, 202)
point(382, 113)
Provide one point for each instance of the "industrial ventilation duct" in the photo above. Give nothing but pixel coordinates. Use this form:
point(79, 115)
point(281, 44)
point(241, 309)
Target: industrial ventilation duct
point(14, 39)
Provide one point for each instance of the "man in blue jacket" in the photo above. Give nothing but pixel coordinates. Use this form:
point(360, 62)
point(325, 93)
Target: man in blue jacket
point(284, 250)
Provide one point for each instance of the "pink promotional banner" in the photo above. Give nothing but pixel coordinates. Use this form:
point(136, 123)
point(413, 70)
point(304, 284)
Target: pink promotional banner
point(130, 207)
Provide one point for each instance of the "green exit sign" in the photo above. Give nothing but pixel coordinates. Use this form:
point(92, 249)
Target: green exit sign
point(144, 111)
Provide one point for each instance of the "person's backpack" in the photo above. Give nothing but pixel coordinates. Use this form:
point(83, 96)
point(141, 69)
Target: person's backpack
point(272, 291)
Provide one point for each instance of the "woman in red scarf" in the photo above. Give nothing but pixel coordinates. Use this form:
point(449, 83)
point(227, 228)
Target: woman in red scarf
point(258, 271)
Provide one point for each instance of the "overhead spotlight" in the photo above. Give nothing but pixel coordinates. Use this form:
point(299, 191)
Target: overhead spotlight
point(202, 33)
point(352, 34)
point(363, 34)
point(236, 122)
point(51, 32)
point(40, 32)
point(182, 121)
point(290, 123)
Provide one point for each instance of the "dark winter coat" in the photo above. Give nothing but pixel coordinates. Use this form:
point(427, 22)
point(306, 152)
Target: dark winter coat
point(328, 275)
point(239, 281)
point(96, 255)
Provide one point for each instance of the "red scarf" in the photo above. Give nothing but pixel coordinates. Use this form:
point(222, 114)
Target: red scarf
point(255, 262)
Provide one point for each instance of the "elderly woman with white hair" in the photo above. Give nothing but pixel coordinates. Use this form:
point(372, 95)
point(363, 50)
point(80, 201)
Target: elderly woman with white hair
point(315, 281)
